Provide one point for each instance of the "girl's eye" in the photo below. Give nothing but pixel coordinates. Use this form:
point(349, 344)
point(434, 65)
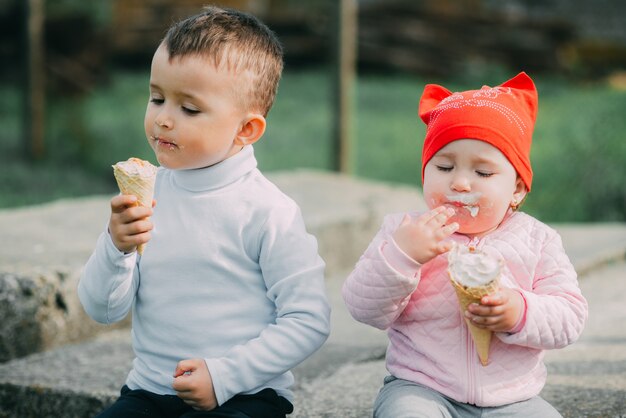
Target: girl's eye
point(484, 173)
point(156, 100)
point(444, 168)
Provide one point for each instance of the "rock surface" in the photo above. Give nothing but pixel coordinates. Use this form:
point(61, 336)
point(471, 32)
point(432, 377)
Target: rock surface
point(40, 311)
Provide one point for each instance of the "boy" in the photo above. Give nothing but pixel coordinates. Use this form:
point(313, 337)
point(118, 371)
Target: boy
point(229, 294)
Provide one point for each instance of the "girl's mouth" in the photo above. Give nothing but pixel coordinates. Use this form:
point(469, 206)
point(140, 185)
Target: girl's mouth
point(468, 199)
point(465, 201)
point(472, 209)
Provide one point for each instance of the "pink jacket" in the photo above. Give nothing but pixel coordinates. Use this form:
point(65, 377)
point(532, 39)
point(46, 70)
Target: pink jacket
point(429, 340)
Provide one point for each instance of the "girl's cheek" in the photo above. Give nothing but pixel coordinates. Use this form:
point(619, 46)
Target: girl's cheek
point(434, 200)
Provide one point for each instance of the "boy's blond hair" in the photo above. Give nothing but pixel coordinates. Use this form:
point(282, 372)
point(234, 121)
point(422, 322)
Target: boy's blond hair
point(238, 42)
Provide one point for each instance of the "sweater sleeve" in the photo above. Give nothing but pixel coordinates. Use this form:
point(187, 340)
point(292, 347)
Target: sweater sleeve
point(381, 284)
point(556, 310)
point(294, 276)
point(108, 282)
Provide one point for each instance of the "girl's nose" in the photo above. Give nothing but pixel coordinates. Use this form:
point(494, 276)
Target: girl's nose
point(460, 183)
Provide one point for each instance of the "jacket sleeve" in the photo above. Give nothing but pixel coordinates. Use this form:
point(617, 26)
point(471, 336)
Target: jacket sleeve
point(294, 276)
point(556, 310)
point(108, 282)
point(381, 284)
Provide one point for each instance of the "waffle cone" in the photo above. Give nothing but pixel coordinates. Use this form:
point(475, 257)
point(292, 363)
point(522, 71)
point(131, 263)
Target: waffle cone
point(140, 186)
point(467, 295)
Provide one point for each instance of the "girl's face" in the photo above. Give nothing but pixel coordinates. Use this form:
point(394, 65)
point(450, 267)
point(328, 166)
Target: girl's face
point(193, 118)
point(477, 181)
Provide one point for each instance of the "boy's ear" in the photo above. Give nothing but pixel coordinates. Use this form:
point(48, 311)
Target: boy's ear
point(252, 129)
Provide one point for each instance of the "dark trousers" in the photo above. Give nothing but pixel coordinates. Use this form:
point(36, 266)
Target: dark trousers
point(141, 403)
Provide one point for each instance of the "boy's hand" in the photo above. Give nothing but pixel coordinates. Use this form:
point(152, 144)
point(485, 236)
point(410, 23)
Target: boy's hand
point(129, 225)
point(498, 312)
point(423, 238)
point(193, 384)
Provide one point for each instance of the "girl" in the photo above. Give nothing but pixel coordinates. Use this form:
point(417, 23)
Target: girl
point(475, 170)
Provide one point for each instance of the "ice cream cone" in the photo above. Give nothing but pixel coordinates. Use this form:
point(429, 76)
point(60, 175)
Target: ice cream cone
point(136, 177)
point(466, 296)
point(478, 278)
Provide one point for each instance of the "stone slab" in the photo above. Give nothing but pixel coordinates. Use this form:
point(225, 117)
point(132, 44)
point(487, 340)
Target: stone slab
point(50, 243)
point(586, 379)
point(62, 234)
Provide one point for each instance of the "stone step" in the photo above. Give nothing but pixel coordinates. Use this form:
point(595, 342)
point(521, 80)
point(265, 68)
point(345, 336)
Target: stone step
point(40, 311)
point(587, 379)
point(47, 245)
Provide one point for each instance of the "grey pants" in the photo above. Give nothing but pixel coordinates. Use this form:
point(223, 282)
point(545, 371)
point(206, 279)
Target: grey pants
point(400, 398)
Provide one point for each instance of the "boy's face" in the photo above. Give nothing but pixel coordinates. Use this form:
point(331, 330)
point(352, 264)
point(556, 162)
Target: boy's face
point(193, 118)
point(476, 180)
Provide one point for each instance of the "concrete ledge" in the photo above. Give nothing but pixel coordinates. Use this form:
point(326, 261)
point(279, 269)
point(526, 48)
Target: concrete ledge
point(50, 243)
point(76, 381)
point(587, 379)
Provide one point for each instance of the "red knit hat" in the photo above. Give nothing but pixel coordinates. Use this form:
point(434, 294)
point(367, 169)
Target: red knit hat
point(502, 116)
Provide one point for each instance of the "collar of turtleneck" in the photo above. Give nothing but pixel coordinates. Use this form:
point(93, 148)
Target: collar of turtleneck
point(218, 175)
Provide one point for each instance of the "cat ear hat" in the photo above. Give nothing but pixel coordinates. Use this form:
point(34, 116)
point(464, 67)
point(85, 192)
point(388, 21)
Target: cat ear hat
point(503, 116)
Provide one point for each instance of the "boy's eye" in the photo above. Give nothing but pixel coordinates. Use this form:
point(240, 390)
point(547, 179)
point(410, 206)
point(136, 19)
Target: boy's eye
point(444, 168)
point(156, 100)
point(484, 173)
point(190, 111)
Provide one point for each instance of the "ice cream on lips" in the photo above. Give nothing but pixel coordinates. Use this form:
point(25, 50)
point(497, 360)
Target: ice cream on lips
point(468, 201)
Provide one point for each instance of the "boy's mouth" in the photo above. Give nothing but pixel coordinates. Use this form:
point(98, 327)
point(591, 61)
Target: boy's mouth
point(164, 143)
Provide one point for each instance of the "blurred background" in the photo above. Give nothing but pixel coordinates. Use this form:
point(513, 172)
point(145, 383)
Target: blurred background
point(74, 86)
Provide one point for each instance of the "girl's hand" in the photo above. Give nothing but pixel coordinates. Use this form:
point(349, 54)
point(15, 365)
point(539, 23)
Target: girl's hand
point(129, 225)
point(193, 384)
point(498, 312)
point(423, 238)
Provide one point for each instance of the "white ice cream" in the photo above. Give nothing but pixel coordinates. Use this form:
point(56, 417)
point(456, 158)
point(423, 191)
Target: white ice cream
point(472, 268)
point(473, 210)
point(136, 167)
point(468, 200)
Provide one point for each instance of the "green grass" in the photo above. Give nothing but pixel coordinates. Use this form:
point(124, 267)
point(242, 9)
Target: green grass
point(579, 155)
point(579, 151)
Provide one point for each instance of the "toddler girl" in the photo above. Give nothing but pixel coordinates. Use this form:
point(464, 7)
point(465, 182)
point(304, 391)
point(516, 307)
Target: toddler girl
point(475, 170)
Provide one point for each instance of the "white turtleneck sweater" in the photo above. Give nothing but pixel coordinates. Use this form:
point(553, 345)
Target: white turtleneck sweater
point(230, 275)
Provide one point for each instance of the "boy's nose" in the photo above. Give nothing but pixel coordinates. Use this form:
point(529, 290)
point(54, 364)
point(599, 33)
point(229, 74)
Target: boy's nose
point(162, 120)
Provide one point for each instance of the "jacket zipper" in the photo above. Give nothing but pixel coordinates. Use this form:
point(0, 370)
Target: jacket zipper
point(471, 350)
point(470, 364)
point(473, 243)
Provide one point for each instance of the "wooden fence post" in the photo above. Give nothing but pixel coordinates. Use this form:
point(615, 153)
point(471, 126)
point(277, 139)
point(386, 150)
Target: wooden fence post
point(343, 84)
point(34, 87)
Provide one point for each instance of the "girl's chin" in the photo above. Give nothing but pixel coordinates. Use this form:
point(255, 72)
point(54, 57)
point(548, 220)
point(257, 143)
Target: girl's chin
point(472, 228)
point(463, 218)
point(467, 223)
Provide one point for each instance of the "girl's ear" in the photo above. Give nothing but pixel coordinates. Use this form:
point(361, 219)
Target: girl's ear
point(520, 193)
point(252, 129)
